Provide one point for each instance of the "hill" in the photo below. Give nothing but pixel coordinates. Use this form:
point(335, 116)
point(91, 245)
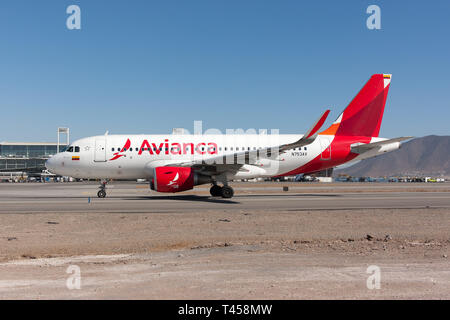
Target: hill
point(426, 156)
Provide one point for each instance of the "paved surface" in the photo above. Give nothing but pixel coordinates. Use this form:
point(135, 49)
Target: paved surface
point(28, 198)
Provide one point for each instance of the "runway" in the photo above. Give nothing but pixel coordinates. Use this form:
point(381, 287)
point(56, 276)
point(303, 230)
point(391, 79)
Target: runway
point(132, 198)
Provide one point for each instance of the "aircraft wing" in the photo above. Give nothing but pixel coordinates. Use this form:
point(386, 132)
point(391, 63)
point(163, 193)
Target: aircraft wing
point(249, 157)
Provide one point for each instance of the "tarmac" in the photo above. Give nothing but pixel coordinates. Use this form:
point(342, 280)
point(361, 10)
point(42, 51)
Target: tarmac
point(76, 197)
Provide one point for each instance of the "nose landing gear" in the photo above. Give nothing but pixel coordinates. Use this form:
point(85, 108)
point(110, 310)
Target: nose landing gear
point(102, 193)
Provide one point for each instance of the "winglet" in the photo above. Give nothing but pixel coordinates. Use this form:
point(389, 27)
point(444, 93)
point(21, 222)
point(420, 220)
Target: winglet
point(309, 136)
point(317, 125)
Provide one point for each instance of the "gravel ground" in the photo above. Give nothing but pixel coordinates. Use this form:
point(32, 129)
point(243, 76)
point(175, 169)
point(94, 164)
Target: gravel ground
point(226, 254)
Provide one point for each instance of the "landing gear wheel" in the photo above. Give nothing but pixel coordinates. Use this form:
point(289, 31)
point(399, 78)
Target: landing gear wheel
point(101, 194)
point(227, 192)
point(216, 191)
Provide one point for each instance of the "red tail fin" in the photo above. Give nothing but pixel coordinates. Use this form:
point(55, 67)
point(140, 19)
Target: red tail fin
point(363, 115)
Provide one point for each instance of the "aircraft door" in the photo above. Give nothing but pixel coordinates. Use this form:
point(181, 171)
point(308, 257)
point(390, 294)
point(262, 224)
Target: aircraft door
point(100, 150)
point(325, 146)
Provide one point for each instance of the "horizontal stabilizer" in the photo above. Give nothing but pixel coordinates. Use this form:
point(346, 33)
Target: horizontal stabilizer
point(364, 147)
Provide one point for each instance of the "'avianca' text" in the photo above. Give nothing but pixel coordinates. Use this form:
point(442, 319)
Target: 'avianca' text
point(178, 148)
point(166, 147)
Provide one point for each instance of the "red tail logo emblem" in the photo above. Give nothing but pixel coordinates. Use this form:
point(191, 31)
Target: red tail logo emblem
point(119, 154)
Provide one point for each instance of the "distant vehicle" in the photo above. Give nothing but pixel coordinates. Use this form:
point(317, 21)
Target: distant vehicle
point(179, 162)
point(305, 178)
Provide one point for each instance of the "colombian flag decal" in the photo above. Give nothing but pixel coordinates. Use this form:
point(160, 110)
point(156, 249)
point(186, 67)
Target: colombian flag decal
point(386, 76)
point(75, 158)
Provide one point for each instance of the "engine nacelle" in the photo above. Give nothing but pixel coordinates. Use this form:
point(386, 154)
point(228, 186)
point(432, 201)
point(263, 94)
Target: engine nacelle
point(175, 179)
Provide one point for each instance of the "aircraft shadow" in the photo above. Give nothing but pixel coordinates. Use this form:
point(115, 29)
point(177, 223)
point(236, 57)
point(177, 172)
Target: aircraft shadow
point(185, 198)
point(289, 195)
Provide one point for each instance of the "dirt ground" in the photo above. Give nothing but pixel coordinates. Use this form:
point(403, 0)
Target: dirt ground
point(236, 253)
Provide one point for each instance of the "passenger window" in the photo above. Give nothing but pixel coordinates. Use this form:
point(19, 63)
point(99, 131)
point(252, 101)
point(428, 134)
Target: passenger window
point(305, 148)
point(112, 149)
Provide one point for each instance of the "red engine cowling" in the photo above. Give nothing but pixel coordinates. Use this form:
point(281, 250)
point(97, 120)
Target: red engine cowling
point(172, 179)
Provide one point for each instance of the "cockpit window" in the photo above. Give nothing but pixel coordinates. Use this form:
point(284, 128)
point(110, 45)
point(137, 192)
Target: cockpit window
point(77, 149)
point(70, 149)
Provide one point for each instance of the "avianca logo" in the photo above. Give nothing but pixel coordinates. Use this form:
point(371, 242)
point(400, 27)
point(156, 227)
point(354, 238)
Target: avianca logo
point(174, 181)
point(119, 154)
point(167, 148)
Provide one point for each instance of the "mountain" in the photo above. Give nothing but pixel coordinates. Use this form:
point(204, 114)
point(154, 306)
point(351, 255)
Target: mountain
point(426, 156)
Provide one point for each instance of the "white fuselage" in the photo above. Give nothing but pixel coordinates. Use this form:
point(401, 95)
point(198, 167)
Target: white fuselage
point(104, 157)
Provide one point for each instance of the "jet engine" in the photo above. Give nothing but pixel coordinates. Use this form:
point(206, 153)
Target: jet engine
point(176, 179)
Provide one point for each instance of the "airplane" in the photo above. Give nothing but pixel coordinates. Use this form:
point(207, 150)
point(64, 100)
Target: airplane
point(178, 162)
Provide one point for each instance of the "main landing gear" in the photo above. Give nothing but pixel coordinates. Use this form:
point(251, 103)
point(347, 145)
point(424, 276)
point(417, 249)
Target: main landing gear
point(224, 192)
point(102, 192)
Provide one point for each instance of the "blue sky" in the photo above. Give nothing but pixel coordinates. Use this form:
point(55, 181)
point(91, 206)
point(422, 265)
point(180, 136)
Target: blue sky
point(147, 66)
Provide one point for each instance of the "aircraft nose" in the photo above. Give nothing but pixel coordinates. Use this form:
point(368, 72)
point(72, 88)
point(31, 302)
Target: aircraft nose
point(50, 163)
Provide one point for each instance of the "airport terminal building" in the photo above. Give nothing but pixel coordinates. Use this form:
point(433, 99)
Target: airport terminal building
point(28, 157)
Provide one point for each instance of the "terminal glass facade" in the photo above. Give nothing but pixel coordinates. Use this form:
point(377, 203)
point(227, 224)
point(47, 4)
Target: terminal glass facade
point(26, 157)
point(28, 151)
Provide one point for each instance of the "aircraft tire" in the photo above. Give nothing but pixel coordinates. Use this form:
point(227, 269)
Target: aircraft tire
point(101, 194)
point(227, 192)
point(216, 191)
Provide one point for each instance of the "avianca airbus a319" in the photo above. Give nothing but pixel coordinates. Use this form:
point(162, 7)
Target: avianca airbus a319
point(175, 163)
